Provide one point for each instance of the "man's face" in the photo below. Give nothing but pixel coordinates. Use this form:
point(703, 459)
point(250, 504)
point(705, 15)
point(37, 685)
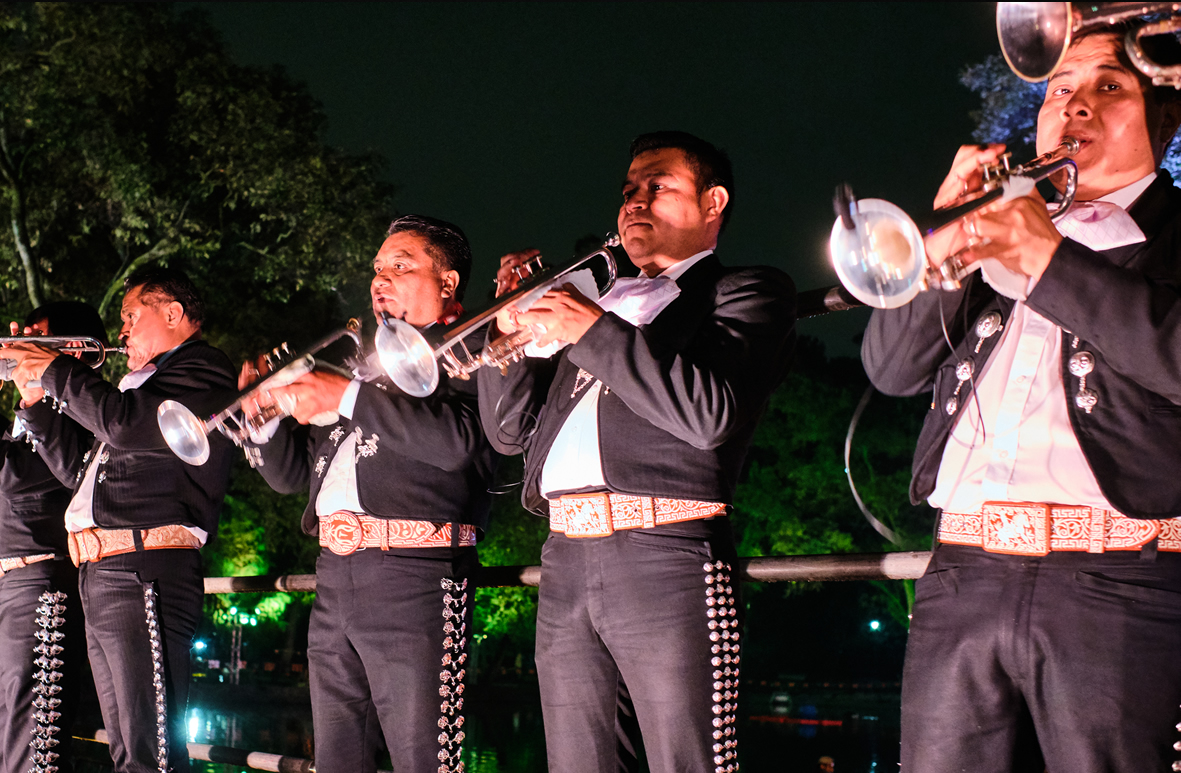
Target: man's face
point(1096, 97)
point(146, 329)
point(663, 218)
point(407, 284)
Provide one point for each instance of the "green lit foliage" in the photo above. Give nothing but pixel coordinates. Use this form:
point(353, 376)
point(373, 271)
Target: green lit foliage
point(128, 136)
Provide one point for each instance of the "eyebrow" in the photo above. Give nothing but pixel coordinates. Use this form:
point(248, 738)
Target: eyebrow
point(1104, 67)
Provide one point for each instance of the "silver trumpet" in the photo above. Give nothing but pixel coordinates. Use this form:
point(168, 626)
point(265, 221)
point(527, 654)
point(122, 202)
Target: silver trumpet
point(411, 357)
point(91, 351)
point(188, 436)
point(1035, 36)
point(877, 249)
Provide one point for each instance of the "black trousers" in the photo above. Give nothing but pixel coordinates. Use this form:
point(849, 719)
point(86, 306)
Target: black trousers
point(121, 655)
point(21, 592)
point(1067, 662)
point(387, 656)
point(650, 614)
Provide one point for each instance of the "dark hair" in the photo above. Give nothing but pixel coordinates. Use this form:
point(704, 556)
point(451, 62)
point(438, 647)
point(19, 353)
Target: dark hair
point(70, 318)
point(175, 285)
point(446, 244)
point(710, 165)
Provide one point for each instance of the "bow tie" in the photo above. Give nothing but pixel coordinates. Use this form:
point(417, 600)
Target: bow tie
point(640, 299)
point(1100, 225)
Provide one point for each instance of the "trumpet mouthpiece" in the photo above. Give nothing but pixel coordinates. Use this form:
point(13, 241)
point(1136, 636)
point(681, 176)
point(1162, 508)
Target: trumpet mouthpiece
point(1070, 144)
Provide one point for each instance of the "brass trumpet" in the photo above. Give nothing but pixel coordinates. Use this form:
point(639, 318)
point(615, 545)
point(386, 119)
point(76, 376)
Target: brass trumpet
point(411, 357)
point(188, 436)
point(878, 252)
point(91, 351)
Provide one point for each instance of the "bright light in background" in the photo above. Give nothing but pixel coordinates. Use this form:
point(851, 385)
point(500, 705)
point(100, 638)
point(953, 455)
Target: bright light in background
point(194, 723)
point(233, 610)
point(875, 625)
point(199, 645)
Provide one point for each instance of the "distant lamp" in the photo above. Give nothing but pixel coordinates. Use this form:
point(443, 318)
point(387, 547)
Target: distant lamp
point(199, 645)
point(875, 625)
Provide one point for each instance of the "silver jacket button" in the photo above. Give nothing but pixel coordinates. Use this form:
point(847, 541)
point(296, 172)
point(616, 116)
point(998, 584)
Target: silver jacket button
point(1081, 363)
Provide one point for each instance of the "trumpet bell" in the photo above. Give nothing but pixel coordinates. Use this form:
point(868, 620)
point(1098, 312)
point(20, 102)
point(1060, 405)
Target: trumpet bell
point(1034, 37)
point(184, 433)
point(407, 358)
point(881, 260)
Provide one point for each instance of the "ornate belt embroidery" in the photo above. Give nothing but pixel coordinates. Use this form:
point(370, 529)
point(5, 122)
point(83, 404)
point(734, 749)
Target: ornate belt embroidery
point(1035, 529)
point(601, 514)
point(344, 533)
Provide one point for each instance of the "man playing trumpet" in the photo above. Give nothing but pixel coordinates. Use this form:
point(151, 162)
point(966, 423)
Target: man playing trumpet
point(1045, 630)
point(634, 437)
point(398, 493)
point(138, 514)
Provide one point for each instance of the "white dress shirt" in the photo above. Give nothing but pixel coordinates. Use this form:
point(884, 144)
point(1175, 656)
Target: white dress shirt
point(574, 462)
point(1015, 442)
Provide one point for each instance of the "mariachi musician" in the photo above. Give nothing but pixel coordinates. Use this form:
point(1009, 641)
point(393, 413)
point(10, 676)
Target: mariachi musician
point(634, 437)
point(138, 514)
point(41, 635)
point(1045, 629)
point(398, 494)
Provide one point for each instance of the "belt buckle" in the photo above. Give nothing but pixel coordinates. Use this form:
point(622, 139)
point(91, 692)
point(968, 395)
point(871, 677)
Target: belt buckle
point(341, 533)
point(1015, 528)
point(587, 515)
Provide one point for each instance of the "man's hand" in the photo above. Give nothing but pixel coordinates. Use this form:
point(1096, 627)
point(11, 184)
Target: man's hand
point(31, 362)
point(312, 394)
point(508, 279)
point(963, 183)
point(559, 315)
point(1018, 233)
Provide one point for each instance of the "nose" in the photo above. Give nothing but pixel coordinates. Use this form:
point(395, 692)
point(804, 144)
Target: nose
point(636, 201)
point(1078, 106)
point(381, 280)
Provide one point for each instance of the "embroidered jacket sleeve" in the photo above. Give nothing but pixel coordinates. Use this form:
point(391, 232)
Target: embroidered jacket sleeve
point(198, 376)
point(719, 380)
point(286, 457)
point(511, 403)
point(1132, 316)
point(61, 442)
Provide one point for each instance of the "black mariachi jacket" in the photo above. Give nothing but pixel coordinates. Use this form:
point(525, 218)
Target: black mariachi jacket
point(1120, 306)
point(140, 483)
point(420, 459)
point(33, 500)
point(681, 395)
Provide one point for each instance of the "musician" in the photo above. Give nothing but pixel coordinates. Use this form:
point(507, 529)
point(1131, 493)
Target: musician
point(138, 514)
point(1051, 610)
point(398, 495)
point(634, 435)
point(38, 584)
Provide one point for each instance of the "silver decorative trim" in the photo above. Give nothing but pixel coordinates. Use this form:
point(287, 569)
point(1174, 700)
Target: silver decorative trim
point(451, 677)
point(156, 643)
point(47, 676)
point(722, 623)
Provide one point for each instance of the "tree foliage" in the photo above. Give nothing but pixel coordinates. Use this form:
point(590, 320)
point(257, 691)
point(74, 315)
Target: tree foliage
point(128, 135)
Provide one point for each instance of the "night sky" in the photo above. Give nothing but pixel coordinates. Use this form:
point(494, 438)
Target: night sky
point(513, 120)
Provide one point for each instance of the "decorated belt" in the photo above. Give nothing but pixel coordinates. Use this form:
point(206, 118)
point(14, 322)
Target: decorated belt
point(601, 514)
point(8, 564)
point(344, 533)
point(1035, 529)
point(95, 544)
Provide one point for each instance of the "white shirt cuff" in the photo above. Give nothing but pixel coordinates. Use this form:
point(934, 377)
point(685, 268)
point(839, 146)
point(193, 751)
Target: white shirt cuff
point(348, 401)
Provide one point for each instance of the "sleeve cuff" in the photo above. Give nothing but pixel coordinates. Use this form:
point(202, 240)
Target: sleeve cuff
point(348, 401)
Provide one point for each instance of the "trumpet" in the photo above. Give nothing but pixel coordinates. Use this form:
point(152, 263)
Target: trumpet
point(1034, 37)
point(188, 436)
point(411, 357)
point(878, 252)
point(91, 351)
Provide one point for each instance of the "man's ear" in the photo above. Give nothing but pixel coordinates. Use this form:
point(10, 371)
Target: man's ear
point(174, 314)
point(1170, 121)
point(450, 282)
point(716, 200)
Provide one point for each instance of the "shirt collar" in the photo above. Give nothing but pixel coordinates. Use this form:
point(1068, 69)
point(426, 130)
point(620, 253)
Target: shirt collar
point(1126, 196)
point(675, 271)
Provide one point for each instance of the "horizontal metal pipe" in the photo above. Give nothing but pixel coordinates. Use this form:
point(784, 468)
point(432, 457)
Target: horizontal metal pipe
point(226, 755)
point(832, 568)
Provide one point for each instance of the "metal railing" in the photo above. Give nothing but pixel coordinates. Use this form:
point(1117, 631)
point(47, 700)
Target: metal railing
point(821, 568)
